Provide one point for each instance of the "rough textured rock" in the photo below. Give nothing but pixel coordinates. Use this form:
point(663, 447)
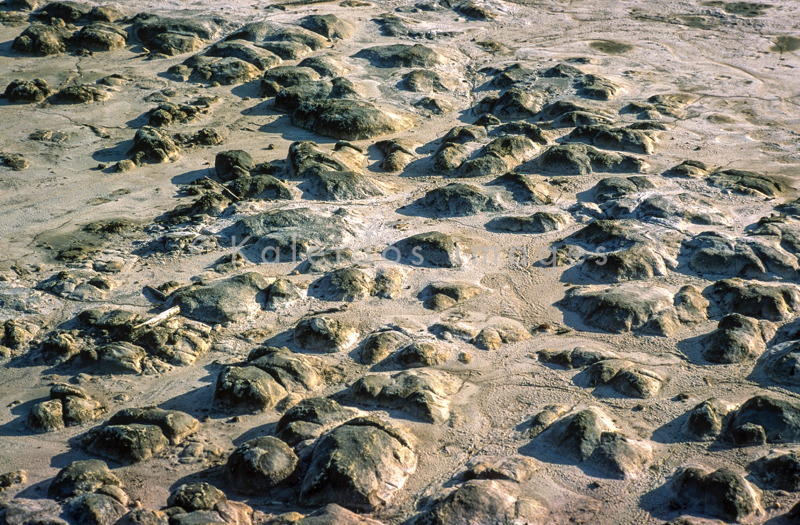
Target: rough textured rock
point(328, 66)
point(244, 51)
point(580, 159)
point(306, 156)
point(121, 358)
point(782, 363)
point(474, 10)
point(293, 371)
point(310, 418)
point(259, 465)
point(81, 94)
point(553, 110)
point(691, 306)
point(689, 168)
point(750, 183)
point(359, 465)
point(290, 98)
point(21, 510)
point(349, 119)
point(457, 200)
point(762, 301)
point(539, 222)
point(202, 137)
point(606, 368)
point(42, 40)
point(287, 76)
point(67, 11)
point(101, 37)
point(573, 119)
point(476, 501)
point(175, 425)
point(705, 421)
point(434, 106)
point(597, 87)
point(261, 187)
point(578, 357)
point(46, 416)
point(626, 378)
point(291, 233)
point(231, 164)
point(422, 354)
point(292, 43)
point(620, 308)
point(421, 393)
point(505, 332)
point(428, 81)
point(464, 134)
point(143, 516)
point(68, 406)
point(443, 295)
point(94, 509)
point(684, 206)
point(512, 75)
point(621, 139)
point(402, 55)
point(324, 334)
point(613, 234)
point(228, 70)
point(196, 496)
point(452, 153)
point(82, 477)
point(154, 145)
point(333, 514)
point(282, 293)
point(127, 443)
point(712, 253)
point(168, 113)
point(329, 26)
point(398, 153)
point(106, 13)
point(780, 471)
point(10, 479)
point(134, 434)
point(514, 104)
point(525, 188)
point(393, 25)
point(434, 249)
point(380, 345)
point(339, 185)
point(519, 128)
point(499, 156)
point(247, 387)
point(589, 435)
point(450, 156)
point(233, 299)
point(736, 339)
point(332, 175)
point(344, 284)
point(27, 91)
point(389, 282)
point(616, 187)
point(639, 262)
point(763, 419)
point(173, 36)
point(510, 468)
point(722, 494)
point(288, 42)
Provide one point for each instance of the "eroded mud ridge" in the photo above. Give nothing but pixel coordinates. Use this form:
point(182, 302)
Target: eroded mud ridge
point(439, 262)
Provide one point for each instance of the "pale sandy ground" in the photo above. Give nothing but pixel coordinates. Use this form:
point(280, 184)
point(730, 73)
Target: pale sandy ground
point(729, 68)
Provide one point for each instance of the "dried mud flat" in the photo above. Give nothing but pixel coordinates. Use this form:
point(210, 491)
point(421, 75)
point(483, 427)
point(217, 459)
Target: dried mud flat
point(537, 262)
